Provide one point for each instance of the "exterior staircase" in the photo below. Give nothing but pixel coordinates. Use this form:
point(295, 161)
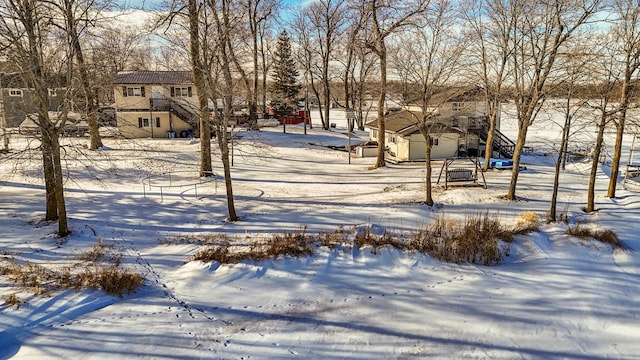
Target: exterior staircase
point(182, 110)
point(501, 143)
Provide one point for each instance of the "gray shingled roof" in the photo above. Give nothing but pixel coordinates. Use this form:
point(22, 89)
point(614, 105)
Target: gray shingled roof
point(153, 77)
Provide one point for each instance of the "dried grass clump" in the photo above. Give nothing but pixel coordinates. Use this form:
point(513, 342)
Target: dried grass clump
point(295, 244)
point(477, 240)
point(201, 239)
point(13, 300)
point(42, 280)
point(365, 237)
point(527, 223)
point(606, 236)
point(474, 241)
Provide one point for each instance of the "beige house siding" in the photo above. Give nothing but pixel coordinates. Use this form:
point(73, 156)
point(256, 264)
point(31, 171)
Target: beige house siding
point(412, 147)
point(155, 108)
point(141, 99)
point(129, 124)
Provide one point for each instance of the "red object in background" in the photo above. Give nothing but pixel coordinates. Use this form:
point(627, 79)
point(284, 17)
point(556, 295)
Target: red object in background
point(295, 119)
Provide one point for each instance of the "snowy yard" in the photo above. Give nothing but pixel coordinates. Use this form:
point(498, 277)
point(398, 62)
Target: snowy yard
point(554, 297)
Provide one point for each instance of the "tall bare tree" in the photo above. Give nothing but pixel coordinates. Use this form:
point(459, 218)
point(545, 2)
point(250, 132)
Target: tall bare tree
point(604, 73)
point(327, 20)
point(429, 64)
point(627, 40)
point(78, 14)
point(380, 19)
point(540, 31)
point(258, 13)
point(25, 29)
point(221, 11)
point(198, 39)
point(490, 27)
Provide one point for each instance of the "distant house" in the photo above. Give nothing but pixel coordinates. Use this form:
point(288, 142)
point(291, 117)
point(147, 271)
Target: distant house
point(458, 127)
point(17, 99)
point(155, 104)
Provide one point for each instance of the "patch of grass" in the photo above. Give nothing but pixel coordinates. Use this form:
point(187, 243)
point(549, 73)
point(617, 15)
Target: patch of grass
point(606, 236)
point(477, 240)
point(294, 244)
point(527, 223)
point(474, 241)
point(42, 280)
point(13, 300)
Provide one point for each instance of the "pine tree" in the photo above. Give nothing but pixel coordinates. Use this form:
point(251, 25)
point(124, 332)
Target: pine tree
point(285, 75)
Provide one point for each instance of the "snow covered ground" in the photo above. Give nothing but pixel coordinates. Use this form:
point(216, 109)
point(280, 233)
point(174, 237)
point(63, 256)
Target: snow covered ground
point(554, 297)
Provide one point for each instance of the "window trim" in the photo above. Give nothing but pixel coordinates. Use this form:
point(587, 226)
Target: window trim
point(16, 93)
point(131, 91)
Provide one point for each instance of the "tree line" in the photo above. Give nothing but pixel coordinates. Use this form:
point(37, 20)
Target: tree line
point(346, 51)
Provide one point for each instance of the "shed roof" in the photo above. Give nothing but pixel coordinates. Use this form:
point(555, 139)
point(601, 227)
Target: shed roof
point(399, 122)
point(153, 77)
point(405, 123)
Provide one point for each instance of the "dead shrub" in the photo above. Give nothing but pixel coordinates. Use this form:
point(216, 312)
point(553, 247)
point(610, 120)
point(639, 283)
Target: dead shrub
point(13, 300)
point(477, 240)
point(474, 241)
point(294, 244)
point(527, 223)
point(92, 255)
point(41, 280)
point(606, 236)
point(118, 282)
point(365, 237)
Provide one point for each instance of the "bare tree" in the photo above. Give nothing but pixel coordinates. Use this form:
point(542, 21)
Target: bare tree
point(573, 65)
point(25, 29)
point(78, 14)
point(627, 40)
point(198, 39)
point(540, 31)
point(380, 19)
point(327, 20)
point(604, 71)
point(258, 12)
point(221, 13)
point(428, 64)
point(490, 29)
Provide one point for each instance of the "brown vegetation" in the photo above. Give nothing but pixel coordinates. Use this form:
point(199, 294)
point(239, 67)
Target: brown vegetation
point(477, 240)
point(606, 236)
point(99, 270)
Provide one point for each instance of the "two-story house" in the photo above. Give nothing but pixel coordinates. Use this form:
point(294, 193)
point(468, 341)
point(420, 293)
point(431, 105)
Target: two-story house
point(155, 104)
point(17, 99)
point(457, 123)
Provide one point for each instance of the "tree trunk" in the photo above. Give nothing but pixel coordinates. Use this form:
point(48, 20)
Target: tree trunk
point(594, 164)
point(517, 154)
point(199, 78)
point(58, 186)
point(51, 205)
point(556, 177)
point(488, 152)
point(617, 154)
point(91, 106)
point(428, 169)
point(382, 54)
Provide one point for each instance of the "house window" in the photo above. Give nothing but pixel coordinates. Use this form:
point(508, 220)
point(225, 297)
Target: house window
point(133, 91)
point(433, 142)
point(457, 106)
point(143, 122)
point(181, 91)
point(157, 122)
point(15, 92)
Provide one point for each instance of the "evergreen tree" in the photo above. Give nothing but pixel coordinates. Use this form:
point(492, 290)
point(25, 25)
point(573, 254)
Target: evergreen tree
point(285, 75)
